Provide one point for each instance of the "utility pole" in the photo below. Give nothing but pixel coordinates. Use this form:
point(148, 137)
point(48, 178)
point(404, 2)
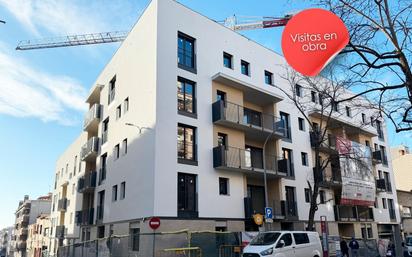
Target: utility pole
point(265, 173)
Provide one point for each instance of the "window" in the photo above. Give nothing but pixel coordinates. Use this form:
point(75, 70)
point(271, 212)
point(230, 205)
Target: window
point(298, 90)
point(220, 96)
point(252, 117)
point(268, 77)
point(100, 204)
point(335, 106)
point(388, 184)
point(307, 195)
point(186, 98)
point(363, 118)
point(227, 60)
point(100, 232)
point(301, 238)
point(105, 130)
point(313, 96)
point(406, 211)
point(135, 233)
point(67, 167)
point(223, 186)
point(126, 105)
point(124, 146)
point(320, 99)
point(384, 204)
point(112, 90)
point(186, 142)
point(384, 156)
point(322, 197)
point(379, 129)
point(222, 140)
point(186, 195)
point(367, 143)
point(287, 154)
point(116, 152)
point(118, 112)
point(348, 111)
point(73, 188)
point(287, 238)
point(103, 162)
point(245, 67)
point(122, 190)
point(372, 122)
point(185, 51)
point(304, 159)
point(114, 193)
point(301, 123)
point(75, 165)
point(285, 118)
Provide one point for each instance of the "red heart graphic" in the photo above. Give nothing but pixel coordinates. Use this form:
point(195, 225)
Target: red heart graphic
point(312, 38)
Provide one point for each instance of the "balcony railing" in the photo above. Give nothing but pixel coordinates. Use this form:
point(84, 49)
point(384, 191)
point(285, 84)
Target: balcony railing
point(85, 217)
point(90, 149)
point(62, 205)
point(92, 118)
point(282, 210)
point(326, 144)
point(328, 180)
point(381, 185)
point(87, 183)
point(60, 231)
point(353, 213)
point(234, 115)
point(231, 158)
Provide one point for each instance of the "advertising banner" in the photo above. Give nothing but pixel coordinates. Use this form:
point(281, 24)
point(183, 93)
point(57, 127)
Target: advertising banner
point(358, 180)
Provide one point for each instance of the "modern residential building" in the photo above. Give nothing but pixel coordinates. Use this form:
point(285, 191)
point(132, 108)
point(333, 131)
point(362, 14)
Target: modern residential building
point(26, 214)
point(5, 242)
point(176, 125)
point(38, 240)
point(402, 168)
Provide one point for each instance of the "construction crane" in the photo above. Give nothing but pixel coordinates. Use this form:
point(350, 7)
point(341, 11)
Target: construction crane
point(234, 22)
point(1, 21)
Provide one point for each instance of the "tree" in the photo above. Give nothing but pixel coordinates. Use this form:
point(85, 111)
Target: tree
point(317, 100)
point(378, 56)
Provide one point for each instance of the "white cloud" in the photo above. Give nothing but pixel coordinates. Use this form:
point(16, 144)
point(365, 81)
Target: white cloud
point(27, 92)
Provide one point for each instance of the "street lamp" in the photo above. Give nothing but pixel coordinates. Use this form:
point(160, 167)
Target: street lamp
point(138, 127)
point(264, 171)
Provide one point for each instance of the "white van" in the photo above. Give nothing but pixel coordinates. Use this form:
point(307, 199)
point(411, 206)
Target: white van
point(284, 244)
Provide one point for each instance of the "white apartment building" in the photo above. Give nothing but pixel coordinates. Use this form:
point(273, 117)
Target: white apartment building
point(5, 242)
point(176, 128)
point(26, 214)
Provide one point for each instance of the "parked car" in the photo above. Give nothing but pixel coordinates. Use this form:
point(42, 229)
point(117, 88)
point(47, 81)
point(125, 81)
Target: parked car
point(284, 244)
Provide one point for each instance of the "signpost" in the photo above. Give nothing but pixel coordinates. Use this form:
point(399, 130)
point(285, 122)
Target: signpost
point(268, 214)
point(154, 223)
point(325, 240)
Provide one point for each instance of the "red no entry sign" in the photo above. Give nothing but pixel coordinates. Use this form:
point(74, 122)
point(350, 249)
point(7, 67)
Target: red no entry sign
point(154, 223)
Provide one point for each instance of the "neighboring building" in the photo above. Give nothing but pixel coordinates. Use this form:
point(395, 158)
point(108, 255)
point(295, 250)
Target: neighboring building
point(26, 214)
point(402, 168)
point(38, 241)
point(5, 242)
point(199, 102)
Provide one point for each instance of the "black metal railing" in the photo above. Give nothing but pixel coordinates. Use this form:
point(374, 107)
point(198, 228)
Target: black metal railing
point(353, 213)
point(91, 146)
point(243, 159)
point(62, 204)
point(237, 114)
point(87, 182)
point(328, 142)
point(85, 217)
point(60, 231)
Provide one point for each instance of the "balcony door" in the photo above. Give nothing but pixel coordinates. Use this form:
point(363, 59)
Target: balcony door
point(290, 201)
point(252, 117)
point(187, 195)
point(253, 157)
point(257, 198)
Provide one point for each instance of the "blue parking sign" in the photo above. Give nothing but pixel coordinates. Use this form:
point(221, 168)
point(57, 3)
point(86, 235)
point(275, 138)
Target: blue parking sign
point(268, 213)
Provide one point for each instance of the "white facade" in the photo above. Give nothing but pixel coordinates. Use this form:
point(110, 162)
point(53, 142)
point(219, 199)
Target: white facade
point(146, 72)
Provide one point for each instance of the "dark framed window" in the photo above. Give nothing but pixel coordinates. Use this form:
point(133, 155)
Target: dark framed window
point(186, 52)
point(116, 151)
point(100, 232)
point(379, 129)
point(348, 111)
point(103, 163)
point(307, 195)
point(223, 186)
point(322, 196)
point(227, 60)
point(268, 77)
point(388, 184)
point(304, 157)
point(186, 195)
point(220, 96)
point(298, 90)
point(186, 98)
point(335, 106)
point(384, 203)
point(186, 142)
point(285, 117)
point(222, 139)
point(301, 124)
point(288, 155)
point(112, 90)
point(118, 112)
point(313, 96)
point(245, 68)
point(367, 143)
point(126, 105)
point(123, 190)
point(114, 193)
point(105, 130)
point(124, 146)
point(320, 97)
point(252, 117)
point(384, 156)
point(363, 118)
point(135, 239)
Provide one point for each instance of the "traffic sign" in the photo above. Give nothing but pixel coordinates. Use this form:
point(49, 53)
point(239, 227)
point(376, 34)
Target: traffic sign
point(154, 223)
point(268, 213)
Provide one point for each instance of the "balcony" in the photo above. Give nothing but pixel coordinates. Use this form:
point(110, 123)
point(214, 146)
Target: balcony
point(60, 231)
point(85, 217)
point(25, 220)
point(24, 231)
point(348, 213)
point(21, 246)
point(62, 205)
point(90, 149)
point(282, 210)
point(381, 185)
point(379, 157)
point(328, 144)
point(331, 181)
point(92, 118)
point(87, 183)
point(242, 160)
point(256, 125)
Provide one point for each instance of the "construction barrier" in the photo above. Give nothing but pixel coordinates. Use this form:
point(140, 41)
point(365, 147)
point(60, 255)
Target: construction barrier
point(182, 252)
point(230, 251)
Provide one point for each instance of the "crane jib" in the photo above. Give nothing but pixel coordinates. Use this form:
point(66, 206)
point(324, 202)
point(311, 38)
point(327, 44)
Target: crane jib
point(275, 23)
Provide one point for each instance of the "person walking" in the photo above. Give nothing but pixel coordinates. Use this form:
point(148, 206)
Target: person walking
point(344, 248)
point(390, 252)
point(354, 247)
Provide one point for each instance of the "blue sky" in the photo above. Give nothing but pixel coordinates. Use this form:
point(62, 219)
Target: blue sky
point(42, 92)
